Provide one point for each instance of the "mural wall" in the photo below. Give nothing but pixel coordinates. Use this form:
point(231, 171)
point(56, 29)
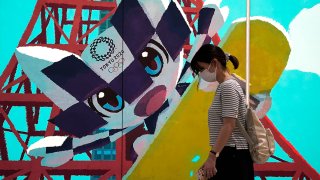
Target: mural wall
point(104, 90)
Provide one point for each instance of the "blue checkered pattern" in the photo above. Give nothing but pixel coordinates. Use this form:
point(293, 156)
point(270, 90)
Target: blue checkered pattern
point(136, 30)
point(173, 26)
point(79, 120)
point(205, 17)
point(133, 25)
point(75, 77)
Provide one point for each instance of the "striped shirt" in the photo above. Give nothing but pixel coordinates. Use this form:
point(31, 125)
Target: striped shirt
point(229, 101)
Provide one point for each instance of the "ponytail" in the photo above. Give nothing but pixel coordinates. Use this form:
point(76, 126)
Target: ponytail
point(233, 60)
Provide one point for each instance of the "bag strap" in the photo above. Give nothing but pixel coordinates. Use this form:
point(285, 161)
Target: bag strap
point(243, 130)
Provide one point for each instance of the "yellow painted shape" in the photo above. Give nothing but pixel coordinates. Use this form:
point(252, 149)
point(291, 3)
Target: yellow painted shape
point(186, 132)
point(269, 53)
point(183, 136)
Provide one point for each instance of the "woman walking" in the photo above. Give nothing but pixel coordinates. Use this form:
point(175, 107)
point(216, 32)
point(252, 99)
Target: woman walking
point(229, 157)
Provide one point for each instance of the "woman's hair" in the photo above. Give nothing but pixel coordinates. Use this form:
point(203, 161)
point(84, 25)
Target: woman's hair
point(207, 53)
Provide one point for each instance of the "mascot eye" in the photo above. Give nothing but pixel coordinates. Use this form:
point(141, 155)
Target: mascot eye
point(152, 61)
point(110, 102)
point(153, 57)
point(106, 101)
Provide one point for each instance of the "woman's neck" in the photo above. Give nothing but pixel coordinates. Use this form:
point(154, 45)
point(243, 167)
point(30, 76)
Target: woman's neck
point(223, 76)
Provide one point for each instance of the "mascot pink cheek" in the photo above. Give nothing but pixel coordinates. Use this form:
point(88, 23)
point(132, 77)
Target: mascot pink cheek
point(151, 101)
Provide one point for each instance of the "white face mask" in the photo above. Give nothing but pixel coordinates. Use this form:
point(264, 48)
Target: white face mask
point(209, 76)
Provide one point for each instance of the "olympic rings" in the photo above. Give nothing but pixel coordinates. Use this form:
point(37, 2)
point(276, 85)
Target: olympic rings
point(116, 66)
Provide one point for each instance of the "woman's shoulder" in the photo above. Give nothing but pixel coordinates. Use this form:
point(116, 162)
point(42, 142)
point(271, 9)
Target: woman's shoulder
point(229, 84)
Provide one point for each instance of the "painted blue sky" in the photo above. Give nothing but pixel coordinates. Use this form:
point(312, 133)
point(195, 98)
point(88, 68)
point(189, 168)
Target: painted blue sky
point(15, 16)
point(295, 97)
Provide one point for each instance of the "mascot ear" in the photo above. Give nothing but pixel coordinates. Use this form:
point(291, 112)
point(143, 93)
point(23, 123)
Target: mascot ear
point(154, 9)
point(211, 19)
point(33, 59)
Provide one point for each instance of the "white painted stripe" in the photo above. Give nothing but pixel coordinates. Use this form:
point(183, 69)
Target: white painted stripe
point(248, 54)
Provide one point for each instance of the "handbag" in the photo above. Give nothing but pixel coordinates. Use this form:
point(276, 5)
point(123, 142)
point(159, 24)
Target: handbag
point(260, 140)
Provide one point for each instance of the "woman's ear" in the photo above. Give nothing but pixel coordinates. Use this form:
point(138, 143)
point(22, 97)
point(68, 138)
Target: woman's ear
point(215, 62)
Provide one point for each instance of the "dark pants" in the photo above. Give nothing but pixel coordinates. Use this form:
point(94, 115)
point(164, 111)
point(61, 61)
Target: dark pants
point(233, 164)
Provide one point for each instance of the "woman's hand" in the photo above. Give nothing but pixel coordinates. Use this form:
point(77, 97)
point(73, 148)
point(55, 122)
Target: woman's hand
point(201, 175)
point(209, 167)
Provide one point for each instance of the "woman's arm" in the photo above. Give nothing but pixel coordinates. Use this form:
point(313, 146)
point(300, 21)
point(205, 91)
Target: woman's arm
point(230, 110)
point(209, 166)
point(224, 134)
point(229, 106)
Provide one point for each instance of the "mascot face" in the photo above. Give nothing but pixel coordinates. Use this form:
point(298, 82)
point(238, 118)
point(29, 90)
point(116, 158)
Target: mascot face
point(122, 77)
point(143, 91)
